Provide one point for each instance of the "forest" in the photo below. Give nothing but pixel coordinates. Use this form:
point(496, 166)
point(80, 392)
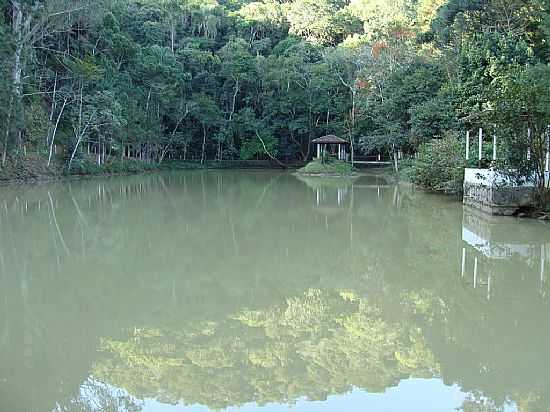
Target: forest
point(87, 84)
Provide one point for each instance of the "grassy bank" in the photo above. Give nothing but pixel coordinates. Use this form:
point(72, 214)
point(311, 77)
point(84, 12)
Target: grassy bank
point(328, 167)
point(35, 168)
point(30, 169)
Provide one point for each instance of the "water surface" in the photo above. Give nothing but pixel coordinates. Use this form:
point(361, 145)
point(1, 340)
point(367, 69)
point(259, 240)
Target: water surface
point(259, 291)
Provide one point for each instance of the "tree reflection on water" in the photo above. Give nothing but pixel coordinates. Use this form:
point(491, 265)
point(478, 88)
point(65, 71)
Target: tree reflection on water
point(222, 289)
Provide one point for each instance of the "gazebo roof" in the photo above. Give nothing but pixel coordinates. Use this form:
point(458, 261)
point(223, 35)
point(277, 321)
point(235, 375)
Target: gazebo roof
point(329, 139)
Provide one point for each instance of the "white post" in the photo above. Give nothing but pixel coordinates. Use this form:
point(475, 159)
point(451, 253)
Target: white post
point(468, 145)
point(495, 147)
point(489, 286)
point(463, 261)
point(339, 151)
point(480, 151)
point(318, 151)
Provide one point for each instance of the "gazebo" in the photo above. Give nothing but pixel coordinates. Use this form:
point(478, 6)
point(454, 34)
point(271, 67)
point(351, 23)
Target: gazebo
point(333, 145)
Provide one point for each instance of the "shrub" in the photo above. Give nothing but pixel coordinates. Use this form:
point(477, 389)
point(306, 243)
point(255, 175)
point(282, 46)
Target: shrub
point(328, 167)
point(440, 165)
point(89, 167)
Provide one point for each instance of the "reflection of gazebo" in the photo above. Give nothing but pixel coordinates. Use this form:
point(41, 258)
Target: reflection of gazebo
point(333, 145)
point(332, 196)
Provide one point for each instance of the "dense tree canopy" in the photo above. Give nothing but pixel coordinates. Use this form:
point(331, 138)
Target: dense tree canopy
point(239, 79)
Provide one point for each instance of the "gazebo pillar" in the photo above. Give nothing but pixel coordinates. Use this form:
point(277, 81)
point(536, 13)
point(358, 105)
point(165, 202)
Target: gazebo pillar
point(331, 142)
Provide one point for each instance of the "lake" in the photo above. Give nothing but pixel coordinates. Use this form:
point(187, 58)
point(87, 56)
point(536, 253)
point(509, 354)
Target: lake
point(260, 291)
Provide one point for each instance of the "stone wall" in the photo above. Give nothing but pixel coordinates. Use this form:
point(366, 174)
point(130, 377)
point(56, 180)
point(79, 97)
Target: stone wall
point(493, 193)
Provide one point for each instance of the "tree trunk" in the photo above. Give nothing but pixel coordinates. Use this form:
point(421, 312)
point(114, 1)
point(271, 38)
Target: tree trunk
point(173, 37)
point(19, 28)
point(98, 152)
point(18, 34)
point(17, 69)
point(52, 111)
point(7, 134)
point(268, 153)
point(395, 159)
point(203, 143)
point(172, 136)
point(81, 134)
point(52, 141)
point(233, 106)
point(234, 102)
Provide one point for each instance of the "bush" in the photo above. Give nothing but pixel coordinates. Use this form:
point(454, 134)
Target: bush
point(89, 167)
point(31, 168)
point(439, 165)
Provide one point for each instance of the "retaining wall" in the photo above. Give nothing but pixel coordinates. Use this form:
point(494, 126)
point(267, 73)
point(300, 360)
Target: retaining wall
point(494, 193)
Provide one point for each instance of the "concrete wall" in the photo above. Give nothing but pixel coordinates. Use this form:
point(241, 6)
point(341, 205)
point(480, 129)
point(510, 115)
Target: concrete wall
point(493, 193)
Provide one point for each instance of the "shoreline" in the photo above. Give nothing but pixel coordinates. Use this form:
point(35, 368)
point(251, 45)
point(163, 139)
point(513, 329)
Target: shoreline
point(54, 177)
point(57, 174)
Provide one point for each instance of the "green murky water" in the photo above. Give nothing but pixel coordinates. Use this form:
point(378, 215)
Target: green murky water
point(259, 291)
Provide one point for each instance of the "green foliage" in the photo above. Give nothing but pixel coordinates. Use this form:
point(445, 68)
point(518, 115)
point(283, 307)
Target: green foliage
point(328, 167)
point(89, 167)
point(37, 121)
point(32, 168)
point(521, 100)
point(202, 80)
point(401, 116)
point(440, 165)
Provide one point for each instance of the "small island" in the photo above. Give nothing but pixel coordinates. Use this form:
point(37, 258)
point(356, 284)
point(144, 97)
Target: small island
point(332, 158)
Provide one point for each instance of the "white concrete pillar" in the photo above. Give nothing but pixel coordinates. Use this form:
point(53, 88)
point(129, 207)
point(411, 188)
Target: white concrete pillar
point(480, 148)
point(495, 147)
point(318, 151)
